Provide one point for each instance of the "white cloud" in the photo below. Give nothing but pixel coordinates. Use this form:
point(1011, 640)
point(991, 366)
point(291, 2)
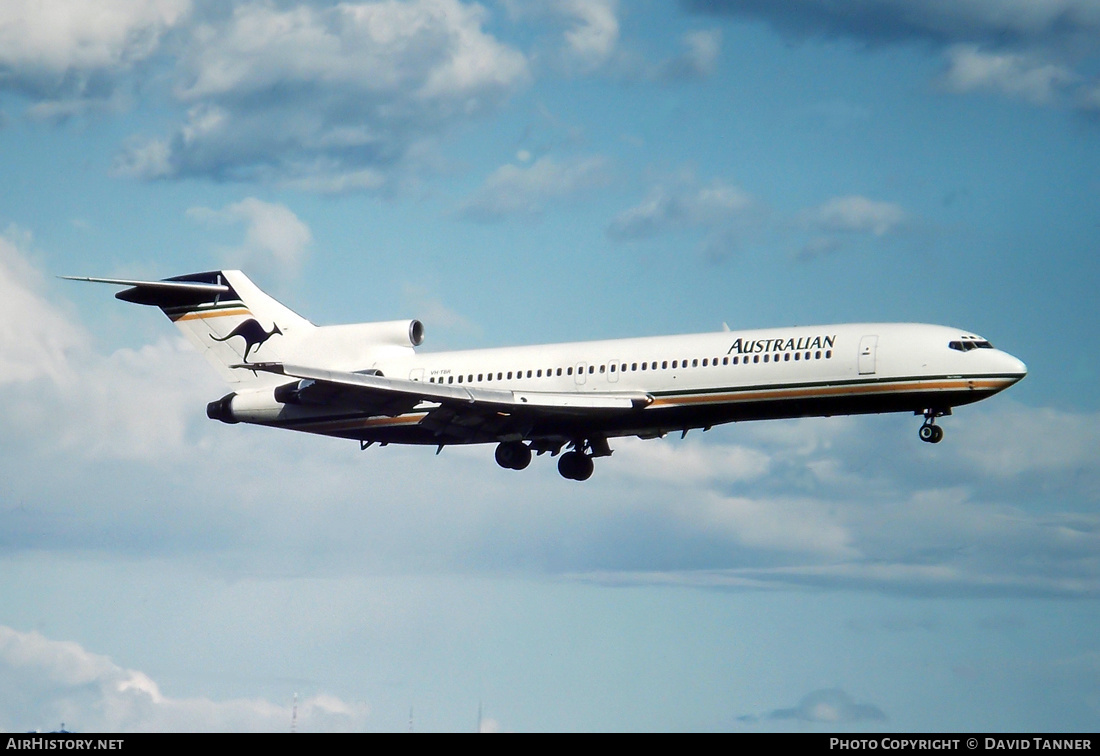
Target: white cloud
point(56, 36)
point(1025, 440)
point(515, 190)
point(63, 682)
point(837, 220)
point(433, 49)
point(134, 404)
point(35, 335)
point(855, 214)
point(685, 205)
point(593, 38)
point(782, 525)
point(327, 98)
point(690, 462)
point(71, 53)
point(590, 37)
point(1016, 75)
point(64, 397)
point(275, 238)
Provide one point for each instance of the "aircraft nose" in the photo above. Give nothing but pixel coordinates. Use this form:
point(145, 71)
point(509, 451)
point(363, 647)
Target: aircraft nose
point(1013, 366)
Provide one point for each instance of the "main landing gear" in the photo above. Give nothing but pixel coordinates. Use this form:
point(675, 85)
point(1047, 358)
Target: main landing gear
point(930, 432)
point(513, 455)
point(575, 464)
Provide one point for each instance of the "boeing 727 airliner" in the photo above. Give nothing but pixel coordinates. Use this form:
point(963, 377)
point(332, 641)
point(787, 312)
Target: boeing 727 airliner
point(367, 381)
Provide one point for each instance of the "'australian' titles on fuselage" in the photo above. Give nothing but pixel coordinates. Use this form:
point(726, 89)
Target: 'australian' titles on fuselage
point(802, 343)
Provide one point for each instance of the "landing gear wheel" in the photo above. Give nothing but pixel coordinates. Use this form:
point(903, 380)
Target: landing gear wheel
point(513, 455)
point(575, 466)
point(931, 434)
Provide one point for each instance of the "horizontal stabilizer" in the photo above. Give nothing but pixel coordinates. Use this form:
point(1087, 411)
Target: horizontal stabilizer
point(161, 293)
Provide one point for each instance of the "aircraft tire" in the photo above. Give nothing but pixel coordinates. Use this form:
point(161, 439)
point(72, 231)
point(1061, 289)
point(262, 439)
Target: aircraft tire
point(513, 455)
point(575, 466)
point(931, 434)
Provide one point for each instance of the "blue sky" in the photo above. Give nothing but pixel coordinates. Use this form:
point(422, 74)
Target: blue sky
point(522, 172)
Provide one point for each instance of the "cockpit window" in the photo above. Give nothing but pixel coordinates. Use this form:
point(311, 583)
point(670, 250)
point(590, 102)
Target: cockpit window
point(966, 344)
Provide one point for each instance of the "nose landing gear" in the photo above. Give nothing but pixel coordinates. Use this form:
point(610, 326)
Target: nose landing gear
point(930, 432)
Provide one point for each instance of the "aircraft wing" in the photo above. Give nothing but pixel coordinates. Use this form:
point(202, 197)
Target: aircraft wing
point(461, 411)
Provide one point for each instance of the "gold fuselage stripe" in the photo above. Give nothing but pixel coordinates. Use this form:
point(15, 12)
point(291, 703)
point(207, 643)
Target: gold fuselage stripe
point(823, 391)
point(749, 395)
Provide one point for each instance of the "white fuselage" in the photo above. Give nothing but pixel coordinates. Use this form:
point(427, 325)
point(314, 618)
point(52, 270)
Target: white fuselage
point(695, 380)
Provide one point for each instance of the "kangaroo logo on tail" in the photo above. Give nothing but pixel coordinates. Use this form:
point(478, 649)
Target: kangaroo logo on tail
point(253, 334)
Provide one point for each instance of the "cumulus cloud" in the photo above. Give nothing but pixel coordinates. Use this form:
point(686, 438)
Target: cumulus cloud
point(584, 38)
point(70, 54)
point(1027, 441)
point(275, 237)
point(62, 681)
point(856, 214)
point(585, 33)
point(517, 190)
point(727, 213)
point(844, 217)
point(326, 98)
point(1016, 75)
point(63, 396)
point(721, 213)
point(593, 36)
point(35, 337)
point(685, 205)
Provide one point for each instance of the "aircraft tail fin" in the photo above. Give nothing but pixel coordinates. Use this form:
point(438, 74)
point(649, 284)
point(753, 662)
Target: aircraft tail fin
point(224, 315)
